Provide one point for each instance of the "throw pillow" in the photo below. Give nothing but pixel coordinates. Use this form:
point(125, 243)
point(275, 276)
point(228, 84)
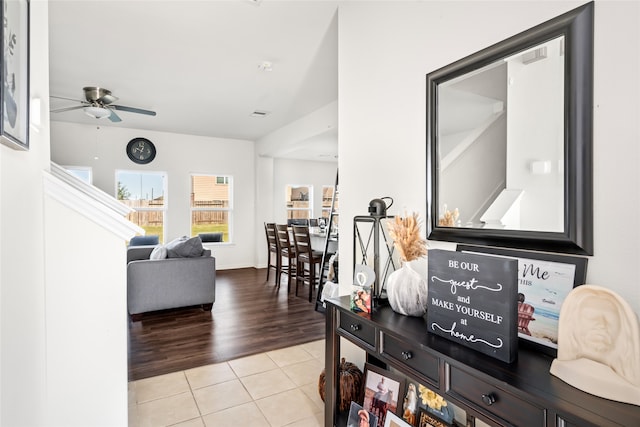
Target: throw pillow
point(144, 240)
point(211, 237)
point(184, 247)
point(159, 252)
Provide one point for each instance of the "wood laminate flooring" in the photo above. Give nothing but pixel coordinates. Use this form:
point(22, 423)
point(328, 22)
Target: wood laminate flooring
point(249, 316)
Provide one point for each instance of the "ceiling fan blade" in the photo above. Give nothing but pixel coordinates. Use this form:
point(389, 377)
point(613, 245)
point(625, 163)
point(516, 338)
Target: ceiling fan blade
point(75, 107)
point(67, 98)
point(114, 117)
point(133, 110)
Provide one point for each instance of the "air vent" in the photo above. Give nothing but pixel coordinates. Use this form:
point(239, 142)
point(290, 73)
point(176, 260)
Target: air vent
point(259, 113)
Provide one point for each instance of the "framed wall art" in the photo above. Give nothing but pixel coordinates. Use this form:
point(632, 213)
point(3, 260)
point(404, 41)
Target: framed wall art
point(14, 92)
point(544, 280)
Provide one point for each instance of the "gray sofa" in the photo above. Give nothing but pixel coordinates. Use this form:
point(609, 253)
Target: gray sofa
point(168, 283)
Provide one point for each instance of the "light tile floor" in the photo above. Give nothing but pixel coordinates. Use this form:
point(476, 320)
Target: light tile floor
point(273, 389)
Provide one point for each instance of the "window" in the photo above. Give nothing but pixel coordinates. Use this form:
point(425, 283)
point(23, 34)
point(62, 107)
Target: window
point(211, 205)
point(82, 172)
point(298, 199)
point(144, 192)
point(327, 197)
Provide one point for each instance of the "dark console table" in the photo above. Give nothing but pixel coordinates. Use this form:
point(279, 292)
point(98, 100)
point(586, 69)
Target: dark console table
point(522, 393)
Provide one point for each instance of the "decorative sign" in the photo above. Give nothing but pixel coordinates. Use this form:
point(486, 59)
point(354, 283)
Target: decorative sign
point(473, 301)
point(544, 281)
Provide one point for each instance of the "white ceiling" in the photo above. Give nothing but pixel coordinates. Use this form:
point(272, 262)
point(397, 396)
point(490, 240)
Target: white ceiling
point(196, 63)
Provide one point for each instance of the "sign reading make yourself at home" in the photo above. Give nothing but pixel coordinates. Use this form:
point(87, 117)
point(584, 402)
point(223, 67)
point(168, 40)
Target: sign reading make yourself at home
point(473, 301)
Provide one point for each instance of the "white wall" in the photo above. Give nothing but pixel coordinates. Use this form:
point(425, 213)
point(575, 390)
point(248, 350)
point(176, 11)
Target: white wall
point(86, 318)
point(382, 111)
point(273, 177)
point(382, 152)
point(22, 284)
point(179, 156)
point(314, 174)
point(288, 138)
point(264, 211)
point(286, 172)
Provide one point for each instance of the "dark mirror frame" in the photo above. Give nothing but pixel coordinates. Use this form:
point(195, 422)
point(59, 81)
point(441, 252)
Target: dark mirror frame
point(577, 238)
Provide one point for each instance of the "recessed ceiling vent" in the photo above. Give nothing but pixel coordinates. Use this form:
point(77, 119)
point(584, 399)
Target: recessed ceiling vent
point(259, 113)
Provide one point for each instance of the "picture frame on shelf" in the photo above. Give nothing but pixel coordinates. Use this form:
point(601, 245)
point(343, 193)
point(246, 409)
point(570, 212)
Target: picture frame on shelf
point(435, 404)
point(361, 298)
point(426, 419)
point(358, 415)
point(417, 396)
point(14, 91)
point(544, 281)
point(392, 420)
point(410, 403)
point(383, 391)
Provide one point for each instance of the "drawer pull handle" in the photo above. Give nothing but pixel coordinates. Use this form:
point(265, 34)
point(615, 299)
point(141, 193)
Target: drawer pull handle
point(406, 355)
point(488, 399)
point(355, 328)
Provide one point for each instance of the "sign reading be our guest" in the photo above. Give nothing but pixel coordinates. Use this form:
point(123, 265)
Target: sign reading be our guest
point(473, 301)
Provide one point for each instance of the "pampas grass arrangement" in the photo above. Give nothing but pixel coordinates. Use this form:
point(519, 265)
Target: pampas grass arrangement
point(406, 289)
point(405, 233)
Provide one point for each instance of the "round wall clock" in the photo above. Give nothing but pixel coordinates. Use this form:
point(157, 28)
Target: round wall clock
point(141, 151)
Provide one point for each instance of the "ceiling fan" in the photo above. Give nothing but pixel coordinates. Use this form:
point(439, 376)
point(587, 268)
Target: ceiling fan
point(98, 103)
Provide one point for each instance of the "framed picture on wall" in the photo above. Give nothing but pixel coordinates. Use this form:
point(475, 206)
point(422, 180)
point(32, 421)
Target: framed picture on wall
point(544, 281)
point(14, 126)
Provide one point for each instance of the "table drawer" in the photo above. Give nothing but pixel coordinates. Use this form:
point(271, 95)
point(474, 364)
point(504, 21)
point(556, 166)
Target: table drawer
point(412, 356)
point(487, 398)
point(352, 325)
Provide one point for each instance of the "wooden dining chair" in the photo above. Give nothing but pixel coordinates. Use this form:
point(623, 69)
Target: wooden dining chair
point(273, 254)
point(287, 252)
point(307, 259)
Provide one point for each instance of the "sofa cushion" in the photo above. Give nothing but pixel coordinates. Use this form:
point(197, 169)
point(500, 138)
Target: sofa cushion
point(159, 252)
point(184, 247)
point(211, 237)
point(144, 240)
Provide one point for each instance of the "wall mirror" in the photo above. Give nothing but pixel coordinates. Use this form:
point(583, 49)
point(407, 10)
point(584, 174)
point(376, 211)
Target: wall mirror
point(509, 135)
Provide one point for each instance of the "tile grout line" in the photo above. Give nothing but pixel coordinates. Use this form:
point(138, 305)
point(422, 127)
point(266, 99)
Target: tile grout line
point(308, 353)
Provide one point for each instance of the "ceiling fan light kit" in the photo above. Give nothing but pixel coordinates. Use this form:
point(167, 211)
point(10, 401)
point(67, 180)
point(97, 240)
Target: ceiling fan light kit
point(97, 112)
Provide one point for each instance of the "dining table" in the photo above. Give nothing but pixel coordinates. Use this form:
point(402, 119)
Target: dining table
point(318, 238)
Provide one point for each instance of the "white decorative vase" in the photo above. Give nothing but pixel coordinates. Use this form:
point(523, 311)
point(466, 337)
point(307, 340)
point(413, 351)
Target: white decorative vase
point(407, 292)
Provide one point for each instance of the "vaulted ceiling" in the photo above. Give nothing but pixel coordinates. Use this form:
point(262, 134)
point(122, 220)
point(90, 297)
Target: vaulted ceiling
point(198, 64)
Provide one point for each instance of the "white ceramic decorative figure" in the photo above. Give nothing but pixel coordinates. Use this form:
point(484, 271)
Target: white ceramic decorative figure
point(599, 344)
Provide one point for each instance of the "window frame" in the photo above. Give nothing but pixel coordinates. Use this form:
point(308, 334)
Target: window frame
point(71, 169)
point(228, 180)
point(328, 208)
point(165, 205)
point(292, 209)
